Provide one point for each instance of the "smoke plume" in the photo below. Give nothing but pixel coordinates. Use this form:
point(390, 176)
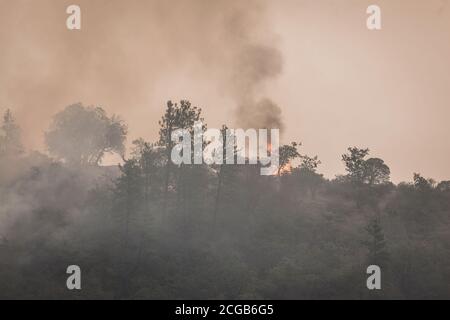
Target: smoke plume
point(130, 56)
point(256, 65)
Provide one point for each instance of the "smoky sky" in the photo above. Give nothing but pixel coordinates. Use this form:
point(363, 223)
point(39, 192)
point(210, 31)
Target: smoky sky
point(309, 67)
point(127, 49)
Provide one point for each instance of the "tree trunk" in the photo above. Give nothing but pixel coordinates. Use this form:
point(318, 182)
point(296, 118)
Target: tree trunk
point(168, 168)
point(217, 201)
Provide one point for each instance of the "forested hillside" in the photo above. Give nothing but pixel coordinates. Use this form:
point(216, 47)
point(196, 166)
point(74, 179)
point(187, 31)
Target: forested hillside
point(148, 229)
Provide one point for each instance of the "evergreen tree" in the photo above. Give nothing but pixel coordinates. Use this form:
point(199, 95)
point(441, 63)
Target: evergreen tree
point(177, 116)
point(376, 244)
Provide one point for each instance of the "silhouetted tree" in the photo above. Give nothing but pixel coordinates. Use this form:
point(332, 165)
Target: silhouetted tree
point(82, 135)
point(150, 159)
point(422, 184)
point(309, 163)
point(221, 172)
point(306, 173)
point(361, 171)
point(177, 116)
point(376, 244)
point(376, 171)
point(287, 153)
point(443, 186)
point(355, 163)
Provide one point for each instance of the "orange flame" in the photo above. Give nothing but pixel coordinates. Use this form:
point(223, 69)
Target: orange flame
point(286, 169)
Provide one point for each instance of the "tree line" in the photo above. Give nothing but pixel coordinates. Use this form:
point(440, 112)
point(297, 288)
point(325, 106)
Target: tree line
point(150, 229)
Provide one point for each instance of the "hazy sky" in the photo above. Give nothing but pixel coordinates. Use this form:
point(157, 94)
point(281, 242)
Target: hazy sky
point(337, 83)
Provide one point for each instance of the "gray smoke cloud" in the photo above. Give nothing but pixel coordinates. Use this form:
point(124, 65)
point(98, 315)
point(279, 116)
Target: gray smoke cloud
point(257, 64)
point(263, 113)
point(123, 52)
point(129, 52)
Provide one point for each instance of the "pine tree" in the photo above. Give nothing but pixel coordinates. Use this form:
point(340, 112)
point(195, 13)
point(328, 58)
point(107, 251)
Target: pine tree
point(177, 116)
point(376, 244)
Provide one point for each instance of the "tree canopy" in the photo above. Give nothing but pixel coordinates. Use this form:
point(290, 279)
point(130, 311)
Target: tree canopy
point(140, 231)
point(370, 171)
point(83, 135)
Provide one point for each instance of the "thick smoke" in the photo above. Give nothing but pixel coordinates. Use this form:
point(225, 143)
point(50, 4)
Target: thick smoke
point(257, 64)
point(125, 53)
point(259, 114)
point(130, 56)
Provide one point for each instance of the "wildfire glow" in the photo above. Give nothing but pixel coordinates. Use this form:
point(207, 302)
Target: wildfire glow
point(286, 169)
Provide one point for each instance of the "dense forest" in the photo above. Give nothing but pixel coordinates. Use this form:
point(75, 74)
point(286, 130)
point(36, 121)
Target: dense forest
point(148, 229)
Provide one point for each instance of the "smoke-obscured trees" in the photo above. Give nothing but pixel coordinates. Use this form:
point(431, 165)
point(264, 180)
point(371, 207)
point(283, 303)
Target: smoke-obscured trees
point(423, 184)
point(230, 234)
point(151, 160)
point(177, 116)
point(354, 163)
point(83, 135)
point(10, 142)
point(309, 163)
point(307, 175)
point(376, 171)
point(287, 153)
point(372, 171)
point(376, 244)
point(444, 186)
point(129, 192)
